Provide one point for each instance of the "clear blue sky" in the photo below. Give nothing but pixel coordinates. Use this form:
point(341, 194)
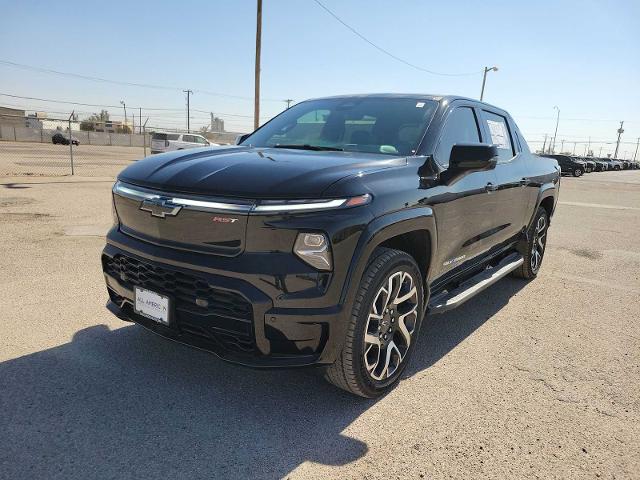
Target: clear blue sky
point(583, 56)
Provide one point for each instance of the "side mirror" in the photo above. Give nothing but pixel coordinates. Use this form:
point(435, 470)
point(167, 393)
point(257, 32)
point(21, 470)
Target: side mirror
point(242, 138)
point(473, 157)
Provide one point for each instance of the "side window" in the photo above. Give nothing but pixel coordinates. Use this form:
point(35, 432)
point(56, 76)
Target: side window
point(200, 140)
point(460, 127)
point(499, 135)
point(188, 138)
point(524, 147)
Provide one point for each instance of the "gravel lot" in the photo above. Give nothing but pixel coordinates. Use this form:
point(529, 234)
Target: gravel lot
point(527, 380)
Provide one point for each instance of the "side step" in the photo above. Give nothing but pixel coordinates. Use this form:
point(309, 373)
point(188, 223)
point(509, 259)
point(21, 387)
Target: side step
point(449, 300)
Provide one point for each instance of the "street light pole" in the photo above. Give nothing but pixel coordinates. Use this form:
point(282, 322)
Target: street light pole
point(256, 106)
point(636, 154)
point(484, 79)
point(556, 132)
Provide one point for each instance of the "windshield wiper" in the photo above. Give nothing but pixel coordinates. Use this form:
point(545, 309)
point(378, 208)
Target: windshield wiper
point(308, 147)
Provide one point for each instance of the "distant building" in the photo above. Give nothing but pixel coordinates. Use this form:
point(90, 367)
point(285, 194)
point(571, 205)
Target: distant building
point(12, 116)
point(217, 124)
point(112, 126)
point(41, 121)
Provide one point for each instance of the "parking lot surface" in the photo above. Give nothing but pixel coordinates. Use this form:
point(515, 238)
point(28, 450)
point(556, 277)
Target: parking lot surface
point(527, 380)
point(46, 159)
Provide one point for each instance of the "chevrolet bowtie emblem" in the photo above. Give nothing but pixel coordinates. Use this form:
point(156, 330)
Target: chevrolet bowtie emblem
point(160, 207)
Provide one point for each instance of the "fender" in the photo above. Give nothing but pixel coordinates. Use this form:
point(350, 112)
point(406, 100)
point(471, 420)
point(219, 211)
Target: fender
point(383, 228)
point(547, 190)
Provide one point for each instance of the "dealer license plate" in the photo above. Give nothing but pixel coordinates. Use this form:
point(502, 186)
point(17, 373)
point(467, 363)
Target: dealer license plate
point(152, 305)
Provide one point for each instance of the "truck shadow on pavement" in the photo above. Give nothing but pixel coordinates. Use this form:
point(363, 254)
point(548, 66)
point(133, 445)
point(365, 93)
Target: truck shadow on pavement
point(126, 403)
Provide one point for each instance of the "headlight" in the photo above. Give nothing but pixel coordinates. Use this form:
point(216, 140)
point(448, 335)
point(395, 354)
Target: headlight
point(313, 248)
point(114, 214)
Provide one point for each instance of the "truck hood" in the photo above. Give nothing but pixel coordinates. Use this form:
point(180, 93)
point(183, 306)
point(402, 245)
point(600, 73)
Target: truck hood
point(251, 172)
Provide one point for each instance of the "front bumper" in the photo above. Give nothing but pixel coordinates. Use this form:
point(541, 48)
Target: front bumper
point(227, 315)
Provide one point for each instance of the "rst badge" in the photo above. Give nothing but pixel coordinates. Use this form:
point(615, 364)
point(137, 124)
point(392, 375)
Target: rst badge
point(224, 220)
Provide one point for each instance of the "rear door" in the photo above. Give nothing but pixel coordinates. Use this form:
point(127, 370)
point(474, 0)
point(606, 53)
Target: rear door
point(189, 141)
point(512, 194)
point(464, 207)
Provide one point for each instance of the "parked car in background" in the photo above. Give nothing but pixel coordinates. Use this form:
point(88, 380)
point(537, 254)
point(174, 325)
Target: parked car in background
point(601, 166)
point(63, 139)
point(613, 164)
point(568, 165)
point(328, 233)
point(626, 164)
point(589, 164)
point(167, 142)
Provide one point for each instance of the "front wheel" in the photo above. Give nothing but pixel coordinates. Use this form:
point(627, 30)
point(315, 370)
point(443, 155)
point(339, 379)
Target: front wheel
point(577, 172)
point(383, 326)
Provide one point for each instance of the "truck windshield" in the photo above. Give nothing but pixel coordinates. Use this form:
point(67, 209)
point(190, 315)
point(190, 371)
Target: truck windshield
point(386, 125)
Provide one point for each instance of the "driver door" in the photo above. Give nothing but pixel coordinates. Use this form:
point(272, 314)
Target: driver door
point(464, 209)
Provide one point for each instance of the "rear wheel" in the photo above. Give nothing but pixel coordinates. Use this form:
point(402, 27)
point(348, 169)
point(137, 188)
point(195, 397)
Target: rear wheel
point(383, 327)
point(536, 244)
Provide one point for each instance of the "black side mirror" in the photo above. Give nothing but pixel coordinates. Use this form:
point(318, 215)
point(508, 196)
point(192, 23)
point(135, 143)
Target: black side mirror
point(242, 138)
point(473, 157)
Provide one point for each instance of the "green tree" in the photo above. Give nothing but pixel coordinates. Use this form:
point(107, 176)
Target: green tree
point(88, 125)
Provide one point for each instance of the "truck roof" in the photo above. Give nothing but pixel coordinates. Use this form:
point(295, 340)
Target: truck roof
point(417, 96)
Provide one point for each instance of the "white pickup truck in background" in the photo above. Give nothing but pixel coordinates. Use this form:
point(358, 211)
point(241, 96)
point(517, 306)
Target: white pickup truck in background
point(168, 142)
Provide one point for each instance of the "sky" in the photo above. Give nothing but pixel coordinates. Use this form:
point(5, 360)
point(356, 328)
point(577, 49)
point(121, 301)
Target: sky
point(581, 56)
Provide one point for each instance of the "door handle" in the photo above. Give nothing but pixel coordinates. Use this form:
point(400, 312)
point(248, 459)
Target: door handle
point(490, 187)
point(524, 182)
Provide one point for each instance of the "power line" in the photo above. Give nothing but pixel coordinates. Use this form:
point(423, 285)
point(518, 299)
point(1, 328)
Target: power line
point(389, 54)
point(66, 102)
point(121, 82)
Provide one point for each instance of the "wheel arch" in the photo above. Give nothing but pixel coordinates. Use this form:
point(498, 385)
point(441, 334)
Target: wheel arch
point(412, 231)
point(547, 199)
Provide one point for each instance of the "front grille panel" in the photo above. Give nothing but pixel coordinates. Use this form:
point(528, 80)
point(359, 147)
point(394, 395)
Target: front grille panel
point(202, 310)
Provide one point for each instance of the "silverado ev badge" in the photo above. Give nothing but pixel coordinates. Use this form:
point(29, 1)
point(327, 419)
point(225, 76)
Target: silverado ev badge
point(160, 207)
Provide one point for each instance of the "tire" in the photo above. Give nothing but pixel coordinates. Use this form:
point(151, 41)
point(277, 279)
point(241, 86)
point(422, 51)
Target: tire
point(577, 172)
point(536, 246)
point(369, 338)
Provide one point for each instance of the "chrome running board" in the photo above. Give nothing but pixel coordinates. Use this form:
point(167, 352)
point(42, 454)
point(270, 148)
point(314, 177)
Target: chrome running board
point(445, 301)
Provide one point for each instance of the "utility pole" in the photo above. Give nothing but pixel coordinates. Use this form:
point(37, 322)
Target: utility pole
point(71, 142)
point(562, 145)
point(588, 148)
point(256, 106)
point(574, 148)
point(140, 119)
point(484, 79)
point(600, 154)
point(288, 102)
point(620, 132)
point(636, 154)
point(545, 143)
point(556, 132)
point(124, 105)
point(189, 93)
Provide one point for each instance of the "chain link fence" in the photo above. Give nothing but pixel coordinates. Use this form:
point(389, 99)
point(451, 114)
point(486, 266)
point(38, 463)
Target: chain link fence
point(58, 147)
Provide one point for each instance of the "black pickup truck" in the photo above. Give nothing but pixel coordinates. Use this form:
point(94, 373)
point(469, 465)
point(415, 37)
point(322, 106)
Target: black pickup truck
point(327, 235)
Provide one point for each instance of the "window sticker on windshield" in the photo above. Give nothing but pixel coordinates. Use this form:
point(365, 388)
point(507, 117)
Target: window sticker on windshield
point(499, 134)
point(419, 104)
